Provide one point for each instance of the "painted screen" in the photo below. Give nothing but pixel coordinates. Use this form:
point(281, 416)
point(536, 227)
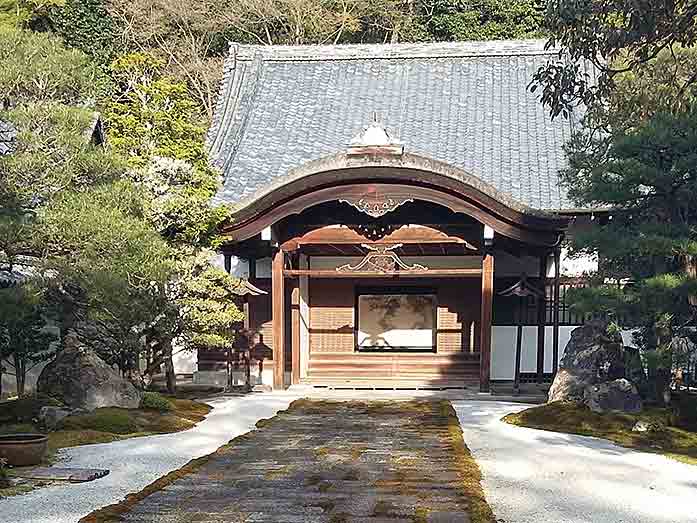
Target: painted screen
point(400, 322)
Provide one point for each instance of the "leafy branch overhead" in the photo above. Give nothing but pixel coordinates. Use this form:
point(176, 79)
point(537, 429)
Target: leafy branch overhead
point(602, 39)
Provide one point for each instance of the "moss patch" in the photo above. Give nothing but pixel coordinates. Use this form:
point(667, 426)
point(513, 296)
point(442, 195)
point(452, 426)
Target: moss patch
point(101, 426)
point(573, 418)
point(480, 511)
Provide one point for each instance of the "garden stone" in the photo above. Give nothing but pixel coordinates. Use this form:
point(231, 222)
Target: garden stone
point(593, 355)
point(616, 395)
point(50, 417)
point(82, 380)
point(640, 426)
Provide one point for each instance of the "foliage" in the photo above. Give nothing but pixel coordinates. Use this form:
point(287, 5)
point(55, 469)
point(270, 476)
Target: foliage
point(38, 68)
point(100, 244)
point(3, 471)
point(53, 153)
point(179, 197)
point(614, 36)
point(209, 299)
point(646, 175)
point(23, 334)
point(152, 114)
point(155, 401)
point(88, 26)
point(485, 19)
point(21, 13)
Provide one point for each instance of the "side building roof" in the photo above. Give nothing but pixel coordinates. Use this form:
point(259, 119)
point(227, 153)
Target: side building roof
point(465, 104)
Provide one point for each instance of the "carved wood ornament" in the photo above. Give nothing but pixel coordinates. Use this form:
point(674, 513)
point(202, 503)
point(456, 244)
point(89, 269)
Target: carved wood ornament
point(381, 259)
point(376, 205)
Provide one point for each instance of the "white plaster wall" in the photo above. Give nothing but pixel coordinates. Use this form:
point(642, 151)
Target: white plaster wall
point(185, 362)
point(264, 268)
point(503, 340)
point(573, 266)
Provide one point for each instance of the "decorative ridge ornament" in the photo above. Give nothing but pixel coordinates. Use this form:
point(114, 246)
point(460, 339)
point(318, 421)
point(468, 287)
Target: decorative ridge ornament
point(374, 139)
point(381, 259)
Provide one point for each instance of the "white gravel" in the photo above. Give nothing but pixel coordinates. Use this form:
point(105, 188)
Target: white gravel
point(547, 477)
point(138, 462)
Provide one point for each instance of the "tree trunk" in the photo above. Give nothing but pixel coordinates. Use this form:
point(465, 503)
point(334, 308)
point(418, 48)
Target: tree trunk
point(169, 369)
point(20, 374)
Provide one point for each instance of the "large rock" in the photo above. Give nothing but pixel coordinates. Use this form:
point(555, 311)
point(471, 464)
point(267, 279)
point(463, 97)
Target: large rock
point(593, 355)
point(615, 395)
point(81, 379)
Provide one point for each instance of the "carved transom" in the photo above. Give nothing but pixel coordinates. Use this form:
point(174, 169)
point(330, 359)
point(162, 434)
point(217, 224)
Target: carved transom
point(377, 205)
point(381, 259)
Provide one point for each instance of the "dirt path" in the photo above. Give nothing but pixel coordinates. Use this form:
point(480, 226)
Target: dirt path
point(328, 462)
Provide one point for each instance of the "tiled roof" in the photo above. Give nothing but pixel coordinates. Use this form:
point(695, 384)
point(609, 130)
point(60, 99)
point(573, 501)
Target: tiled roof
point(8, 136)
point(466, 104)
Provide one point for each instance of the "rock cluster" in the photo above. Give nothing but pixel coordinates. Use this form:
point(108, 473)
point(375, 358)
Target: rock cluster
point(592, 371)
point(80, 379)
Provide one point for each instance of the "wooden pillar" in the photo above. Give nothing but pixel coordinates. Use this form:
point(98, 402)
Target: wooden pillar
point(555, 319)
point(518, 344)
point(485, 336)
point(278, 318)
point(541, 320)
point(295, 334)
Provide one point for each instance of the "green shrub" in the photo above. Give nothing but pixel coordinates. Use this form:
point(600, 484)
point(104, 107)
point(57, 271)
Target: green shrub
point(113, 420)
point(155, 401)
point(685, 407)
point(25, 409)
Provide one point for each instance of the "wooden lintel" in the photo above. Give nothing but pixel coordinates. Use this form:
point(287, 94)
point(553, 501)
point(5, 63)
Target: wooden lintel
point(431, 273)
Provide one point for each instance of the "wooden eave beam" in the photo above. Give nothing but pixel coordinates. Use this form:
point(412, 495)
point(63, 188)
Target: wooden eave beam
point(344, 235)
point(431, 273)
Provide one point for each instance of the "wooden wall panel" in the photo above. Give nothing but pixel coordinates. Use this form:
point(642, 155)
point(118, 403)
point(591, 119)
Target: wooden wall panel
point(332, 313)
point(331, 316)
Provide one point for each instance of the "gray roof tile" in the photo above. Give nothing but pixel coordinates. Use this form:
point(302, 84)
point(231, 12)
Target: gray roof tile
point(465, 104)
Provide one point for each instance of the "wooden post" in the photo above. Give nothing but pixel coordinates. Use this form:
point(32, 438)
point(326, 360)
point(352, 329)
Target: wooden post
point(278, 318)
point(555, 339)
point(518, 345)
point(485, 335)
point(541, 320)
point(295, 334)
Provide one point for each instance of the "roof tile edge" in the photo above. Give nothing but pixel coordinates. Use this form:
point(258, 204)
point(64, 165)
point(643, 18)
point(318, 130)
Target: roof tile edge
point(284, 53)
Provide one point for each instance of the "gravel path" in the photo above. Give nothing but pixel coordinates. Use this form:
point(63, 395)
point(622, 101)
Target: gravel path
point(138, 462)
point(547, 477)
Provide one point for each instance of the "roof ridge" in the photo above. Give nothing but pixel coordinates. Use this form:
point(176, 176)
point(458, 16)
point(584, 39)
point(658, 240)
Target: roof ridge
point(391, 51)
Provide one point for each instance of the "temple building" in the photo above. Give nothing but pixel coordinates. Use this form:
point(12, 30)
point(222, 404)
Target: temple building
point(392, 200)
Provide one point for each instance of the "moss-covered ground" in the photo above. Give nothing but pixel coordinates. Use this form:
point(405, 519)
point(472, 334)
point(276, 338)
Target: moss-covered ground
point(336, 461)
point(662, 438)
point(100, 426)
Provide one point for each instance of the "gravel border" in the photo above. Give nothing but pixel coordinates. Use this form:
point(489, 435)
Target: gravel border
point(137, 462)
point(536, 476)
